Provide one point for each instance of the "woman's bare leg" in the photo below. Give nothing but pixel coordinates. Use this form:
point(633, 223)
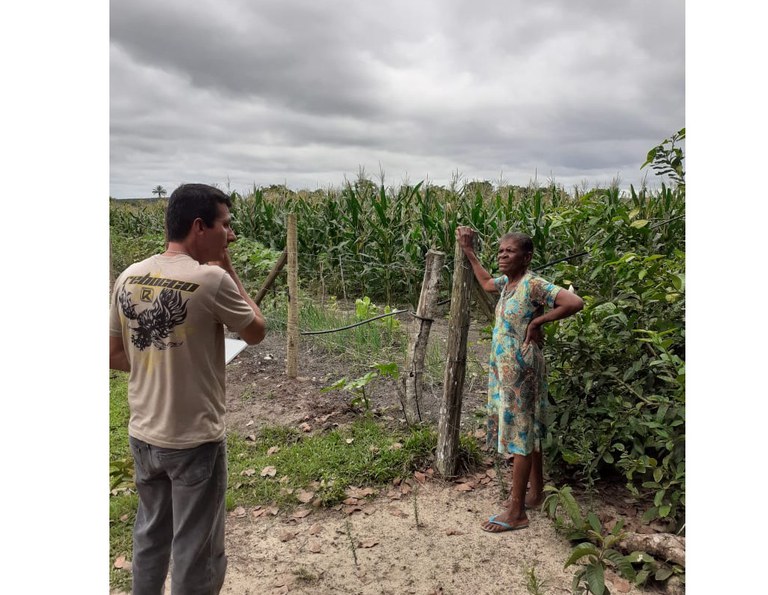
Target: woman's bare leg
point(514, 513)
point(535, 495)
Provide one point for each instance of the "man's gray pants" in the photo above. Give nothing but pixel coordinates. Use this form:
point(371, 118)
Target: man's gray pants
point(181, 512)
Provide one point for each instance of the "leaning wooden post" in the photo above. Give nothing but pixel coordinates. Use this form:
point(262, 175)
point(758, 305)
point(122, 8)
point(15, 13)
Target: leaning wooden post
point(456, 365)
point(291, 367)
point(419, 335)
point(271, 277)
point(484, 301)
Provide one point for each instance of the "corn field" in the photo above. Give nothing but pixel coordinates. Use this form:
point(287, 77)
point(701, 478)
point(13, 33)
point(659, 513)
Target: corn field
point(616, 370)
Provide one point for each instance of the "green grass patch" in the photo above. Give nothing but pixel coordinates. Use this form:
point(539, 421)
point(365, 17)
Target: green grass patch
point(118, 415)
point(123, 501)
point(364, 453)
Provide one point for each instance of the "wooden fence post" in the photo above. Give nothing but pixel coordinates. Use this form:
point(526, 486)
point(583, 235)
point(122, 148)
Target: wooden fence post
point(455, 366)
point(291, 367)
point(419, 335)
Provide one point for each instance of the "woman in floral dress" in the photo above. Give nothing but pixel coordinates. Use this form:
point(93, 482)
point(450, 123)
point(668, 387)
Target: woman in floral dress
point(517, 380)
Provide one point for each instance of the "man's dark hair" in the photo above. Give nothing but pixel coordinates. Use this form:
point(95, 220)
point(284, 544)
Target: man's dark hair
point(522, 240)
point(187, 203)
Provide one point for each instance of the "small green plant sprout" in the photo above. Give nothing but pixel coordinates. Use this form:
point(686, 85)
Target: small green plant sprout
point(364, 308)
point(533, 584)
point(348, 529)
point(599, 554)
point(302, 574)
point(572, 523)
point(120, 475)
point(357, 386)
point(416, 507)
point(389, 323)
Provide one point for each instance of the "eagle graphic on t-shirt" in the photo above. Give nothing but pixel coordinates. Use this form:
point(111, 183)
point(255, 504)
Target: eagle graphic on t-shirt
point(155, 323)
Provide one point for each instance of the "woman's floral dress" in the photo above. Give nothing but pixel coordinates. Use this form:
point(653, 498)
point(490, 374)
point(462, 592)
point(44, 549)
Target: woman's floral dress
point(517, 379)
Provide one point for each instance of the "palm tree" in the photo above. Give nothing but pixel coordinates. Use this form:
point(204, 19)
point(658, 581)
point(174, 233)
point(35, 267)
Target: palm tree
point(160, 191)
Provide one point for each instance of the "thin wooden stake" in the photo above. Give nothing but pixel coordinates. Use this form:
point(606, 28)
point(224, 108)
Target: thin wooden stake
point(291, 367)
point(419, 336)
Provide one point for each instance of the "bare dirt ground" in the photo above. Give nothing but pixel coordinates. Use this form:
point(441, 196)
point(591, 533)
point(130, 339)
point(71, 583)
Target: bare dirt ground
point(372, 543)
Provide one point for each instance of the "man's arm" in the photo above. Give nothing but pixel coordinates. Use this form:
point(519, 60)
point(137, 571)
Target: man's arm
point(253, 333)
point(118, 360)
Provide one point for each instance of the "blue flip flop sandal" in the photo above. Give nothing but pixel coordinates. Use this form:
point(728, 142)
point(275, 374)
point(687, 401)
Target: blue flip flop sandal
point(504, 526)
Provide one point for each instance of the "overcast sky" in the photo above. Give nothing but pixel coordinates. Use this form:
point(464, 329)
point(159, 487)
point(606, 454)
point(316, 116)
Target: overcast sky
point(305, 93)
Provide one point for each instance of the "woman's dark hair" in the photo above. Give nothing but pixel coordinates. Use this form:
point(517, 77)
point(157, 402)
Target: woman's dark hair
point(187, 203)
point(522, 240)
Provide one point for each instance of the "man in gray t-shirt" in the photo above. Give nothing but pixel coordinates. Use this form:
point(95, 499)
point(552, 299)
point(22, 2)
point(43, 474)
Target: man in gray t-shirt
point(167, 319)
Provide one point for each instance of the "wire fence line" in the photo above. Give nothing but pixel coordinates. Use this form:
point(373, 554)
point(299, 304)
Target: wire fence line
point(412, 313)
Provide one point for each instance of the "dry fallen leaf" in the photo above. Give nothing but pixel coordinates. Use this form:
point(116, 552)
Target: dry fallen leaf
point(368, 543)
point(120, 562)
point(396, 446)
point(315, 529)
point(269, 471)
point(272, 450)
point(397, 512)
point(622, 585)
point(301, 513)
point(359, 493)
point(123, 517)
point(304, 496)
point(420, 477)
point(248, 472)
point(288, 534)
point(239, 512)
point(350, 501)
point(251, 437)
point(349, 440)
point(480, 433)
point(454, 532)
point(273, 510)
point(305, 427)
point(259, 512)
point(351, 509)
point(406, 489)
point(463, 487)
point(315, 546)
point(491, 473)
